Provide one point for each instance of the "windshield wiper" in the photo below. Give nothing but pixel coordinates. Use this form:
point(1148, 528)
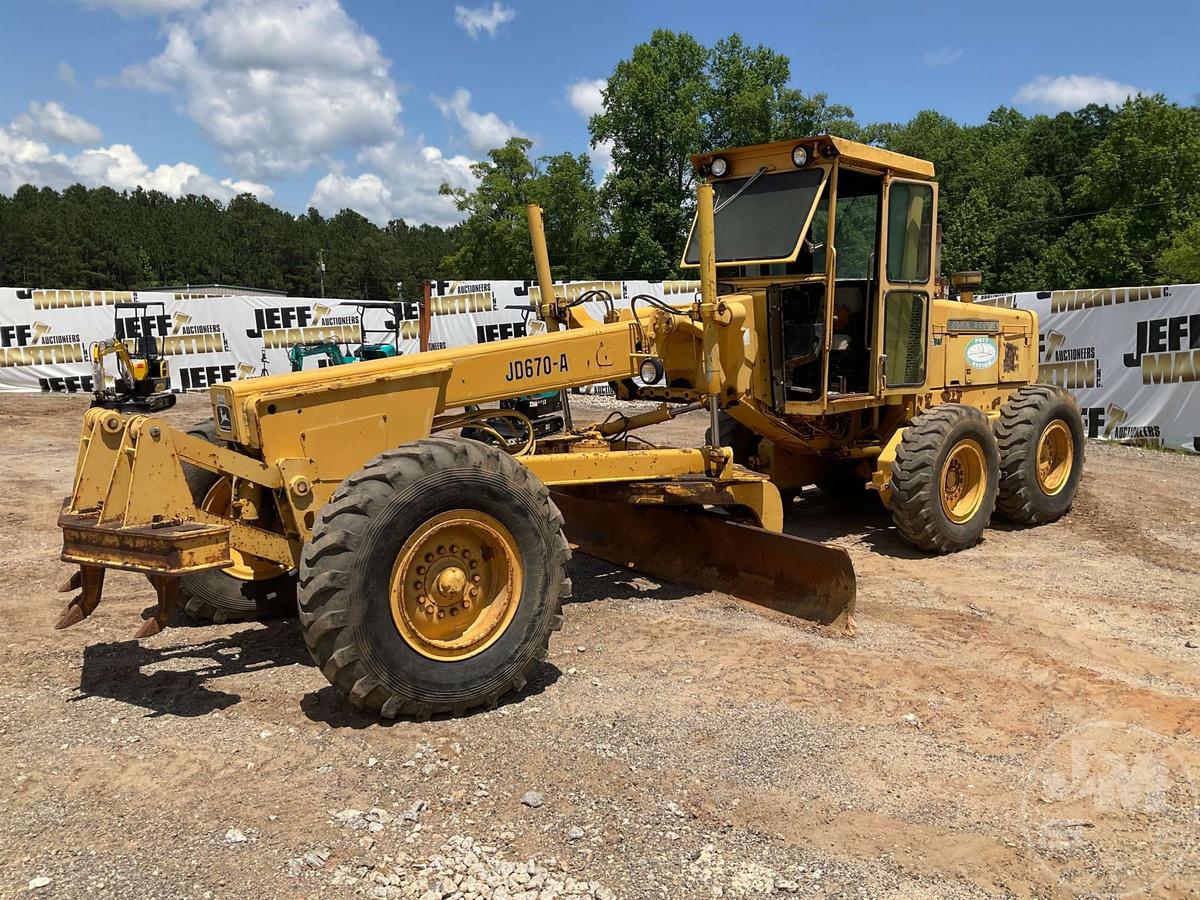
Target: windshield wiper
point(749, 181)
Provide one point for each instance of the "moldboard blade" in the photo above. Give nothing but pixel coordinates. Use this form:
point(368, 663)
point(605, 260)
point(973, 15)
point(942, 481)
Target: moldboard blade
point(689, 546)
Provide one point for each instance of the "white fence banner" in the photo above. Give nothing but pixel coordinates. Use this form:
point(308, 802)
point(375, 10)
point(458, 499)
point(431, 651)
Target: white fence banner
point(1131, 357)
point(478, 312)
point(46, 335)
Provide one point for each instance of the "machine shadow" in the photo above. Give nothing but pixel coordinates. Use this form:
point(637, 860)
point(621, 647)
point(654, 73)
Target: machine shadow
point(117, 670)
point(329, 707)
point(596, 579)
point(591, 579)
point(817, 517)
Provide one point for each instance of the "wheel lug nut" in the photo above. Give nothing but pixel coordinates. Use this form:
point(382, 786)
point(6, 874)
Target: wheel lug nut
point(428, 557)
point(466, 604)
point(454, 548)
point(466, 552)
point(441, 615)
point(474, 592)
point(420, 570)
point(441, 549)
point(474, 564)
point(430, 610)
point(454, 610)
point(475, 578)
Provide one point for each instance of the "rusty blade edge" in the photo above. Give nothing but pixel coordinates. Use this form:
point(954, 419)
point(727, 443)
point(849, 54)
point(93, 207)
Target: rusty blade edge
point(785, 573)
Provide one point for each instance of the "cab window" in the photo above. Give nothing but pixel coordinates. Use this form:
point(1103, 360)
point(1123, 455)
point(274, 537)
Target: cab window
point(904, 329)
point(910, 232)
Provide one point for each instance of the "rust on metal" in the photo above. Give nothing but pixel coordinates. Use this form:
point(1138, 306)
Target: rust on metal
point(89, 580)
point(167, 588)
point(167, 548)
point(703, 550)
point(74, 583)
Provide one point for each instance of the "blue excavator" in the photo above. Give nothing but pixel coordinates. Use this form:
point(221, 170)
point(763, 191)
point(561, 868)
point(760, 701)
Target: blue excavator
point(369, 347)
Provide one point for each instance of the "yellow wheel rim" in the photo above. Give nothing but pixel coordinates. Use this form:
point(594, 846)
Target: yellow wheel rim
point(1055, 457)
point(219, 502)
point(456, 585)
point(964, 481)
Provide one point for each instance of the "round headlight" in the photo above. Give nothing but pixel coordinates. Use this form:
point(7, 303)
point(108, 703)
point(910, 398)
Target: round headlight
point(799, 155)
point(719, 166)
point(651, 371)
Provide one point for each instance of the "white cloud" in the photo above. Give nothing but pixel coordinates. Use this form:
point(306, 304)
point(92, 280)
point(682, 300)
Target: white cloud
point(407, 190)
point(145, 7)
point(587, 96)
point(51, 122)
point(484, 131)
point(66, 73)
point(278, 86)
point(24, 160)
point(601, 157)
point(1071, 92)
point(945, 56)
point(483, 18)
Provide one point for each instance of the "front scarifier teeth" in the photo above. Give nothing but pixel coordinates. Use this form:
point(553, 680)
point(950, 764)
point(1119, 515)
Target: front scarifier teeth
point(167, 588)
point(74, 583)
point(149, 628)
point(72, 614)
point(89, 581)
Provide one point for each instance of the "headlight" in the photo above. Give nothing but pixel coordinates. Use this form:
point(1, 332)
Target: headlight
point(719, 166)
point(799, 155)
point(651, 371)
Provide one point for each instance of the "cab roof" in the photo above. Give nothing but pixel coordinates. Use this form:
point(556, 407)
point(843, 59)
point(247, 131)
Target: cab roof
point(744, 160)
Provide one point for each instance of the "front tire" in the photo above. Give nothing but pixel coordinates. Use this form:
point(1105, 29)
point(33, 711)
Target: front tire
point(433, 579)
point(945, 479)
point(733, 434)
point(215, 595)
point(1041, 438)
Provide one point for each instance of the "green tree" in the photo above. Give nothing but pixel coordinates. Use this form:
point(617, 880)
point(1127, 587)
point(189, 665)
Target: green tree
point(493, 241)
point(100, 238)
point(673, 98)
point(1181, 260)
point(654, 116)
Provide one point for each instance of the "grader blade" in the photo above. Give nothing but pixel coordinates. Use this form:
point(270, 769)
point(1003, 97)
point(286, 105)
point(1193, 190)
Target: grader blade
point(691, 547)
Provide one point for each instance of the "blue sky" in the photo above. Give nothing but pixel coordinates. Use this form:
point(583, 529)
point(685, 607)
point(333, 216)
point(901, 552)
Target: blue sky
point(372, 104)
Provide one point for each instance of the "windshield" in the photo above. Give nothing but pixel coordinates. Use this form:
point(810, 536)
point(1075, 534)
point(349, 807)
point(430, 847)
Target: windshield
point(764, 221)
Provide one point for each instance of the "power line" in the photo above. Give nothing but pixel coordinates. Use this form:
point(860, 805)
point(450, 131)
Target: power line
point(1095, 212)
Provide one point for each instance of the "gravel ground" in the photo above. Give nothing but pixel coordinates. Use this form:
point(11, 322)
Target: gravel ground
point(1020, 719)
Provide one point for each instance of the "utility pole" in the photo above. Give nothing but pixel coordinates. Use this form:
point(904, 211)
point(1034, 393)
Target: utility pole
point(321, 267)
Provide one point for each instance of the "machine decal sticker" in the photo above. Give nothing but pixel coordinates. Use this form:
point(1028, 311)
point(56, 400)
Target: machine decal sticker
point(536, 367)
point(981, 353)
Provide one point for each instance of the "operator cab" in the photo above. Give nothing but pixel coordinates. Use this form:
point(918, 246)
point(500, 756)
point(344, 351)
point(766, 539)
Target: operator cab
point(778, 208)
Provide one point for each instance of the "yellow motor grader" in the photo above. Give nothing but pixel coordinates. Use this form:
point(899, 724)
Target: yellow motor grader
point(430, 569)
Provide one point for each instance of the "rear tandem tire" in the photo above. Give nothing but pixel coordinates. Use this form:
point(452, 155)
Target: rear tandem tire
point(377, 563)
point(945, 479)
point(1041, 438)
point(215, 596)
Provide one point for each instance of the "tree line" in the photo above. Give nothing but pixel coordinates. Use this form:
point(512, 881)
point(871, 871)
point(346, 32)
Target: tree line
point(103, 239)
point(1100, 197)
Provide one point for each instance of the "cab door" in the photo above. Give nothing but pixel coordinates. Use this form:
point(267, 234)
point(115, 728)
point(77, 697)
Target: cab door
point(907, 282)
